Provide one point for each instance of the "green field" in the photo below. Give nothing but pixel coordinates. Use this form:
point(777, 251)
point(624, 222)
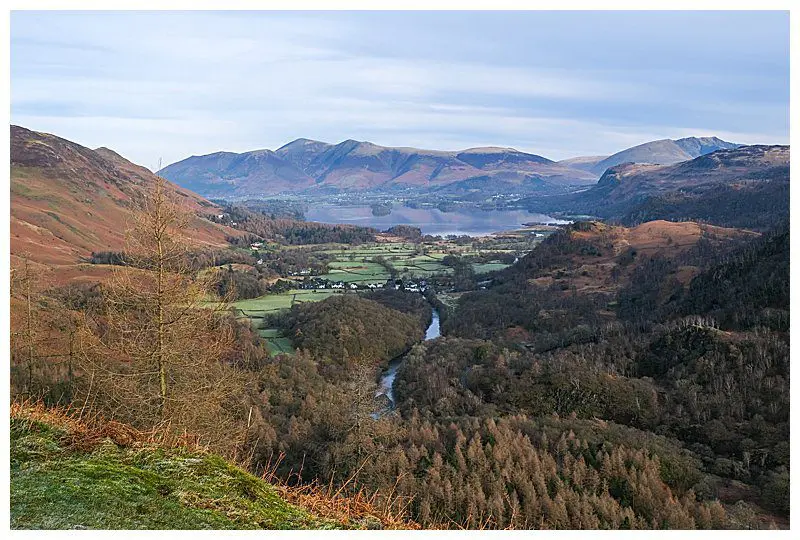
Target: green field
point(356, 272)
point(356, 265)
point(256, 308)
point(489, 267)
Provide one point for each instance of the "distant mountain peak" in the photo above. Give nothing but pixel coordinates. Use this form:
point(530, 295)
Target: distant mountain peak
point(700, 146)
point(301, 143)
point(489, 150)
point(665, 151)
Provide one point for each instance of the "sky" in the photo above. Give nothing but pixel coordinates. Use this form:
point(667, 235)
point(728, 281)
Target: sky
point(161, 86)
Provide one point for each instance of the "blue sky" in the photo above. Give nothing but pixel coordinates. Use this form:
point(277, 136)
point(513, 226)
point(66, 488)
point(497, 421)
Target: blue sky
point(166, 85)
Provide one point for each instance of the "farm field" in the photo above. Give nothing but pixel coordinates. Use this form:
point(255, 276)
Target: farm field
point(485, 268)
point(357, 265)
point(362, 271)
point(256, 308)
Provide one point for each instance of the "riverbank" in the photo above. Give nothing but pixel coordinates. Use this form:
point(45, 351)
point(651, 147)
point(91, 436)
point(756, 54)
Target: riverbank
point(386, 384)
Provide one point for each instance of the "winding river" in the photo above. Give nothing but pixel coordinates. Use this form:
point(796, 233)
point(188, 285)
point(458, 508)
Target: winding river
point(385, 387)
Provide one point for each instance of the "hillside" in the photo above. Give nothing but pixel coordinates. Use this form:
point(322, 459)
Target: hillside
point(66, 476)
point(68, 201)
point(597, 258)
point(678, 329)
point(72, 474)
point(572, 277)
point(743, 187)
point(585, 163)
point(664, 152)
point(316, 167)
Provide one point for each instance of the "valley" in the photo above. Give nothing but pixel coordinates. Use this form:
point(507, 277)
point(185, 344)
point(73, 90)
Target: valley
point(468, 361)
point(411, 267)
point(400, 268)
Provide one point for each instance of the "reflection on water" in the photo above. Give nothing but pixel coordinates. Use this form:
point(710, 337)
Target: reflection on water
point(430, 220)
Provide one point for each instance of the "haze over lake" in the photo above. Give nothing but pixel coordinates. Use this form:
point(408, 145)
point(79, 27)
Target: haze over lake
point(430, 220)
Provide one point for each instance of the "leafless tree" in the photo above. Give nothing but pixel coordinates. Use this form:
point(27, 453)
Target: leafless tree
point(163, 333)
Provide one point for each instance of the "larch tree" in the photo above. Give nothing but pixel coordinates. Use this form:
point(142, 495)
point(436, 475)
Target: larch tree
point(25, 322)
point(162, 336)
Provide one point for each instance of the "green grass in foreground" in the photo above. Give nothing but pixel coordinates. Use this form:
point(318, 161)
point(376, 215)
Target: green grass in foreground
point(56, 487)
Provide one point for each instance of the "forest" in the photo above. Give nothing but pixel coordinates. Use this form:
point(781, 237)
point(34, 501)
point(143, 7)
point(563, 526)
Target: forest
point(599, 382)
point(291, 231)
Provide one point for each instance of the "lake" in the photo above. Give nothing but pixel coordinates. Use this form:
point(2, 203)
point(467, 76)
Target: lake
point(472, 222)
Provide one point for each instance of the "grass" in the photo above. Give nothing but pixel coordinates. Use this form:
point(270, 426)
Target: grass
point(356, 265)
point(278, 343)
point(58, 484)
point(276, 302)
point(485, 268)
point(356, 271)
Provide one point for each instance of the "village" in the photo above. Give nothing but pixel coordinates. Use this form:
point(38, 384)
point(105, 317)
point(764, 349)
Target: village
point(321, 283)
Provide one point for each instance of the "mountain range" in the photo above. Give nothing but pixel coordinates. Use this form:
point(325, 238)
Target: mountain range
point(317, 167)
point(747, 186)
point(68, 200)
point(308, 166)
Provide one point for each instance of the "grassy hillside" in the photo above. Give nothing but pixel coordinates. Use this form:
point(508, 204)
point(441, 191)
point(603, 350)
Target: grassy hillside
point(68, 201)
point(67, 476)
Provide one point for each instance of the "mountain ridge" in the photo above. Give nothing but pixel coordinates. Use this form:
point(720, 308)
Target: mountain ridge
point(664, 152)
point(307, 164)
point(68, 200)
point(311, 167)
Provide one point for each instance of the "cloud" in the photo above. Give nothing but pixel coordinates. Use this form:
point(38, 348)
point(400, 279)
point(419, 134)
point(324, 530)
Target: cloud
point(167, 84)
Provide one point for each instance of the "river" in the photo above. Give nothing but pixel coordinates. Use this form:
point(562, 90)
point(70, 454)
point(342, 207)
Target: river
point(385, 387)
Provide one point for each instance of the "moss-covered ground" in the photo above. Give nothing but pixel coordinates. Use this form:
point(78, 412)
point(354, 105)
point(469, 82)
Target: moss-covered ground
point(55, 485)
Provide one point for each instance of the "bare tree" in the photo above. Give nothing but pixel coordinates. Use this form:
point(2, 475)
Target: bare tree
point(25, 330)
point(163, 332)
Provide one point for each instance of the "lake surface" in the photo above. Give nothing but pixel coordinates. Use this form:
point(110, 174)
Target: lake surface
point(471, 222)
point(385, 387)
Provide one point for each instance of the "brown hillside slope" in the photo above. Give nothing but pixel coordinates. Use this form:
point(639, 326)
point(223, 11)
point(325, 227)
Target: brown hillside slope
point(68, 200)
point(593, 257)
